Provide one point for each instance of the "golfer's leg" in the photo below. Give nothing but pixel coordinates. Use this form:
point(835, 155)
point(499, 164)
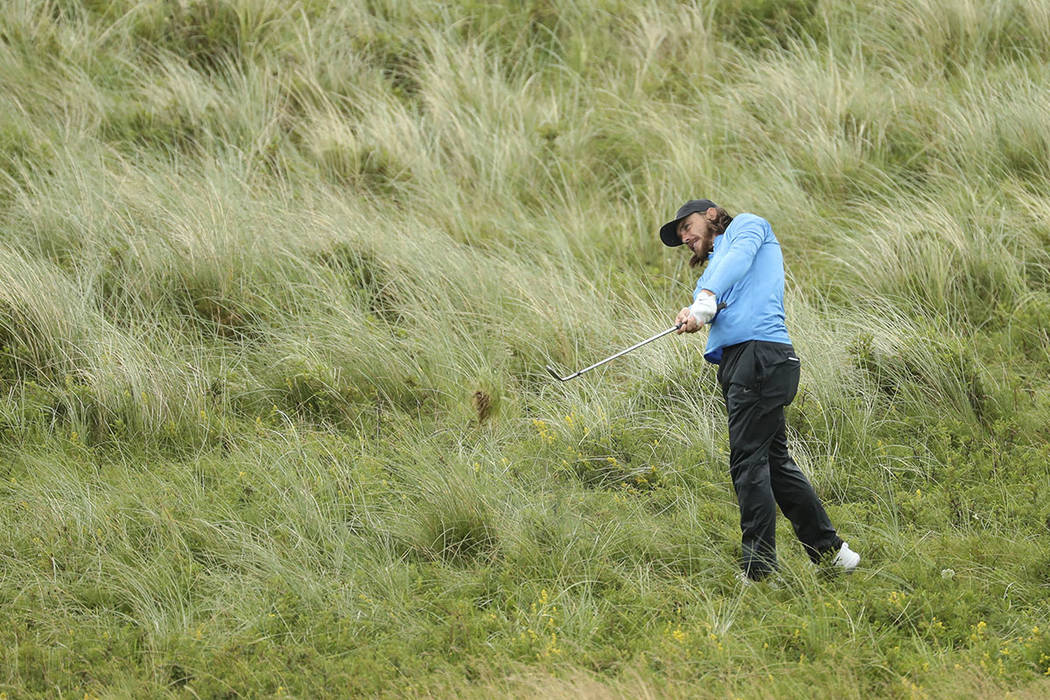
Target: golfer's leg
point(797, 498)
point(750, 434)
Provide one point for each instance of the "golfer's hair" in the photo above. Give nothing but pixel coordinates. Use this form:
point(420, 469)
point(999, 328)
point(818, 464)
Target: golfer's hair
point(718, 227)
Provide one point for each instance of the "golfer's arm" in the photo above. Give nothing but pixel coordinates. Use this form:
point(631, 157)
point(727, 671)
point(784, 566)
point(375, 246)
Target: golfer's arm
point(735, 261)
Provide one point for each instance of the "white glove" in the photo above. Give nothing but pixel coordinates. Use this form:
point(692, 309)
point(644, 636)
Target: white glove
point(704, 308)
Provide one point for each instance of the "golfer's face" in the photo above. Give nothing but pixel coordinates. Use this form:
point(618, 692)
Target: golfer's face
point(695, 231)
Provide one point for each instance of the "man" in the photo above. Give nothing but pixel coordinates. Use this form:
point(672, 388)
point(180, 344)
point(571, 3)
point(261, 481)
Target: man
point(741, 295)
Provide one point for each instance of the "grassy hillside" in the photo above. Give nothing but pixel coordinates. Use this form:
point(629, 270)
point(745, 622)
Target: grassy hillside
point(278, 281)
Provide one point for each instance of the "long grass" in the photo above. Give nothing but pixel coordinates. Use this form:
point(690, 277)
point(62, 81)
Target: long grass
point(280, 279)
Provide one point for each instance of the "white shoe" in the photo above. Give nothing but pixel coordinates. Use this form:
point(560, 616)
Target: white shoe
point(846, 559)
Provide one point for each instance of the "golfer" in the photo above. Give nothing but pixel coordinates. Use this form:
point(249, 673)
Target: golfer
point(758, 370)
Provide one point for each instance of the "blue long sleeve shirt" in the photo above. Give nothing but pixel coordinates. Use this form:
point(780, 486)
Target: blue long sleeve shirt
point(745, 270)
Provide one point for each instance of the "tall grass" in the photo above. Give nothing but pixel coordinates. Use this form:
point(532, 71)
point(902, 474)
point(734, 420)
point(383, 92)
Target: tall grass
point(280, 280)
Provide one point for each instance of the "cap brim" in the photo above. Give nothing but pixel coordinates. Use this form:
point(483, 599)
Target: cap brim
point(669, 233)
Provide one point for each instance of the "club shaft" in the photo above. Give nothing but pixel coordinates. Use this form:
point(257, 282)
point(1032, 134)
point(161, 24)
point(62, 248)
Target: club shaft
point(659, 335)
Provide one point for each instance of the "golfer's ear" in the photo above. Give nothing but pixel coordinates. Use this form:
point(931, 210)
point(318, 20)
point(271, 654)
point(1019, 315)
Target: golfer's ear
point(711, 214)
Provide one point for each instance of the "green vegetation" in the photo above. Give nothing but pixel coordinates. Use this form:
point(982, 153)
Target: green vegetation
point(278, 281)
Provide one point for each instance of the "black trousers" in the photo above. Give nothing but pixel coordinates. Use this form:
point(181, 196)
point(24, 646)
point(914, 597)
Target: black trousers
point(758, 380)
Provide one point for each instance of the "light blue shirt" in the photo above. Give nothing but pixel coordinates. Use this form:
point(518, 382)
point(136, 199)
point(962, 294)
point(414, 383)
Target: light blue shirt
point(745, 270)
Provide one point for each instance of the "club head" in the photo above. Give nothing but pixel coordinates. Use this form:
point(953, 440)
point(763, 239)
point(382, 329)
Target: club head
point(553, 373)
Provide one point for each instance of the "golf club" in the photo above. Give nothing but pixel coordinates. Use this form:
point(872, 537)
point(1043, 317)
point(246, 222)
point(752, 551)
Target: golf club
point(661, 334)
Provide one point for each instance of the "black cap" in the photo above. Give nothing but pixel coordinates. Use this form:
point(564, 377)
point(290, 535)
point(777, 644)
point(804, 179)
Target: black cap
point(669, 231)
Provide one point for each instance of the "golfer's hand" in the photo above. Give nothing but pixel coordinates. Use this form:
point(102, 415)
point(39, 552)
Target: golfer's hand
point(686, 322)
point(694, 317)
